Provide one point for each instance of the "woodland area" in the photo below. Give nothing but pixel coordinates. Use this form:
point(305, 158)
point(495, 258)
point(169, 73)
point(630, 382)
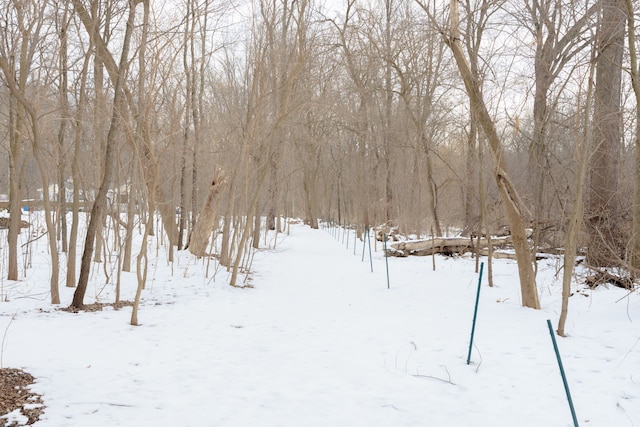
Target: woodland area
point(436, 118)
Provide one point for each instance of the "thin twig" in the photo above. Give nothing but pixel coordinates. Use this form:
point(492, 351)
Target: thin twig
point(434, 378)
point(629, 352)
point(479, 354)
point(4, 336)
point(34, 239)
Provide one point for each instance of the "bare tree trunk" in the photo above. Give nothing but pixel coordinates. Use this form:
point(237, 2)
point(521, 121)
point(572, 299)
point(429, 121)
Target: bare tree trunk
point(225, 246)
point(484, 215)
point(273, 192)
point(470, 212)
point(575, 221)
point(131, 213)
point(606, 246)
point(183, 211)
point(151, 166)
point(198, 112)
point(15, 193)
point(142, 261)
point(16, 142)
point(64, 107)
point(635, 81)
point(73, 234)
point(48, 212)
point(100, 105)
point(208, 217)
point(75, 171)
point(242, 244)
point(255, 238)
point(433, 189)
point(311, 197)
point(388, 103)
point(100, 204)
point(146, 160)
point(186, 127)
point(513, 206)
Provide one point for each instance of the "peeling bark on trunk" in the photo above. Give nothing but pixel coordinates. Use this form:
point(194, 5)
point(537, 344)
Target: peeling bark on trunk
point(205, 223)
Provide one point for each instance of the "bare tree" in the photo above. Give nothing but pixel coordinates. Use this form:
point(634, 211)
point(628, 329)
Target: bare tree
point(361, 75)
point(582, 146)
point(62, 23)
point(189, 98)
point(635, 82)
point(388, 54)
point(514, 208)
point(606, 244)
point(30, 21)
point(144, 140)
point(99, 208)
point(18, 47)
point(556, 45)
point(420, 65)
point(78, 137)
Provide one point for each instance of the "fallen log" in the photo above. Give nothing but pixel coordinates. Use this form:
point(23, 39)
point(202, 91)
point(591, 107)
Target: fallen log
point(497, 255)
point(443, 245)
point(602, 276)
point(507, 255)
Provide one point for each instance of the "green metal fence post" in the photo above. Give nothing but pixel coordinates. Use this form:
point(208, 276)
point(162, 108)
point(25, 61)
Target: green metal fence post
point(475, 314)
point(564, 377)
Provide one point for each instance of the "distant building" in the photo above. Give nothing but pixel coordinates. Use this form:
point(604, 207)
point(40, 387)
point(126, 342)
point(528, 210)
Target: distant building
point(68, 193)
point(53, 192)
point(118, 195)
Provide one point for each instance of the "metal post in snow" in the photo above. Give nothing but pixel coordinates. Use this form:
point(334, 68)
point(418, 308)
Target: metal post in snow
point(348, 230)
point(564, 377)
point(370, 257)
point(355, 239)
point(386, 259)
point(475, 314)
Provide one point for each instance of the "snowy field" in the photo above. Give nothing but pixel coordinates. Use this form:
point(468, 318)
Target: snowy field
point(320, 341)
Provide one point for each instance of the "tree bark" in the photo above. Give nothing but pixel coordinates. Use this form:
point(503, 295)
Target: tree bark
point(205, 223)
point(515, 211)
point(64, 107)
point(15, 193)
point(635, 82)
point(606, 245)
point(186, 127)
point(575, 221)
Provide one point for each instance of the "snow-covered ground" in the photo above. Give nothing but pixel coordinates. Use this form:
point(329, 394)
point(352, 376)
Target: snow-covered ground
point(319, 340)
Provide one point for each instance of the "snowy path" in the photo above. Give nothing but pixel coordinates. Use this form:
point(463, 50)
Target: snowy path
point(321, 341)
